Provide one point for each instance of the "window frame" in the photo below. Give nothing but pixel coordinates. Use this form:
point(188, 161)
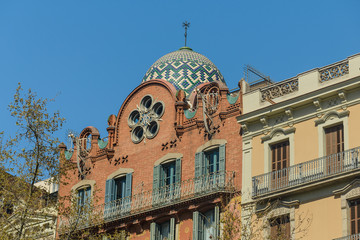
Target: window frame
point(356, 216)
point(278, 135)
point(199, 225)
point(155, 231)
point(279, 224)
point(347, 193)
point(331, 119)
point(280, 210)
point(83, 184)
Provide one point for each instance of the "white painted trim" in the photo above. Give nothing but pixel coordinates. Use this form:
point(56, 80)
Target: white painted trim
point(246, 171)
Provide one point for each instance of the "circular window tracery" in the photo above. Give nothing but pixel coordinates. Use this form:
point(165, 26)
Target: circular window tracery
point(144, 121)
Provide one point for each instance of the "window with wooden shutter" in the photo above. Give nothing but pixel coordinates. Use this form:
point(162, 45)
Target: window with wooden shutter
point(280, 161)
point(280, 227)
point(354, 216)
point(334, 139)
point(334, 147)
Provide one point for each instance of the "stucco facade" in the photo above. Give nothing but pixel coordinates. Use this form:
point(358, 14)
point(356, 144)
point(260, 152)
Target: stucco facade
point(301, 151)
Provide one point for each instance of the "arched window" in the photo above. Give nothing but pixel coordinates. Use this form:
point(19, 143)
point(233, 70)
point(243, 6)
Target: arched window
point(118, 193)
point(167, 177)
point(210, 165)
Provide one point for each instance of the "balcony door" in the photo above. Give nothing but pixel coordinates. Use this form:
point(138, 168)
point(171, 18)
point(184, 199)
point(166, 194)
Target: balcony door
point(334, 148)
point(280, 159)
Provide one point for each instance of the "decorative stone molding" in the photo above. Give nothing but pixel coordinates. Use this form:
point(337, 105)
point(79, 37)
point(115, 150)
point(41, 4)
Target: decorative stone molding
point(245, 128)
point(316, 103)
point(277, 209)
point(280, 89)
point(332, 113)
point(264, 122)
point(278, 130)
point(342, 96)
point(350, 192)
point(289, 114)
point(334, 71)
point(280, 119)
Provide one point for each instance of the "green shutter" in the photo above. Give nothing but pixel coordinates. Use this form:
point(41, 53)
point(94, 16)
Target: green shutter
point(198, 164)
point(196, 225)
point(87, 195)
point(112, 190)
point(172, 229)
point(217, 222)
point(222, 166)
point(156, 177)
point(222, 157)
point(153, 231)
point(178, 170)
point(107, 197)
point(128, 184)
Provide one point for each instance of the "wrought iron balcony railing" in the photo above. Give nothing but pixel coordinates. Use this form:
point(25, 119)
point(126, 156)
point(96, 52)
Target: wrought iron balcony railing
point(306, 172)
point(145, 201)
point(350, 237)
point(169, 195)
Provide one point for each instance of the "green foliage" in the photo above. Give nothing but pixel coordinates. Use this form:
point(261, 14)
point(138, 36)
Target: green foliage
point(32, 155)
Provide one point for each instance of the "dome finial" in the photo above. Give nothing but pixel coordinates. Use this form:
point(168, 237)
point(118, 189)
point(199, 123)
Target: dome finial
point(186, 25)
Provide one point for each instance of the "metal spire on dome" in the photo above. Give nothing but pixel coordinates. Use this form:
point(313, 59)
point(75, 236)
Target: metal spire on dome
point(186, 25)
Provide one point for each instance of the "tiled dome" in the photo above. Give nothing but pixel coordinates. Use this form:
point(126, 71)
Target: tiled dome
point(185, 69)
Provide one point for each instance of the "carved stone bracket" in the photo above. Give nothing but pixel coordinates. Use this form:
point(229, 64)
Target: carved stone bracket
point(245, 128)
point(264, 122)
point(289, 114)
point(317, 105)
point(342, 96)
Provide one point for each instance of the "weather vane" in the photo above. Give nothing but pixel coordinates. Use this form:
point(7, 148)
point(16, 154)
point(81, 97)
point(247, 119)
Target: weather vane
point(186, 25)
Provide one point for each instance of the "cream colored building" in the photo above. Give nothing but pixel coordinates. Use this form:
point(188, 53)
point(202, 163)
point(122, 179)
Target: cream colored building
point(301, 166)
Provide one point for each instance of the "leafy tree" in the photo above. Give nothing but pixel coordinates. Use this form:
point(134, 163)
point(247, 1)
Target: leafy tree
point(245, 222)
point(84, 220)
point(32, 155)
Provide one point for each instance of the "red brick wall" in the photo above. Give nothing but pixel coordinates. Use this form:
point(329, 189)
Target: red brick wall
point(142, 156)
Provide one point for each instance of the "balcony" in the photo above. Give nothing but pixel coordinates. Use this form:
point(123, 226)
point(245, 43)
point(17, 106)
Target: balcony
point(146, 201)
point(350, 237)
point(305, 173)
point(169, 195)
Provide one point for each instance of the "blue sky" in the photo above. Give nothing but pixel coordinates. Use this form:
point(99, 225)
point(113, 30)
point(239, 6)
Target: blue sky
point(92, 54)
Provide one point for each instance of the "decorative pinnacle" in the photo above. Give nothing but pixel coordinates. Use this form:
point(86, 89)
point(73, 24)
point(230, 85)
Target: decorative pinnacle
point(186, 25)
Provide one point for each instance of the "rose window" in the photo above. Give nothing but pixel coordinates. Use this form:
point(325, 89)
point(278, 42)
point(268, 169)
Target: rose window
point(144, 121)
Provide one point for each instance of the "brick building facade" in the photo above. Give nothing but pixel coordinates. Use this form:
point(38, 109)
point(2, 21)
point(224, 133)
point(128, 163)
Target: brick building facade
point(172, 157)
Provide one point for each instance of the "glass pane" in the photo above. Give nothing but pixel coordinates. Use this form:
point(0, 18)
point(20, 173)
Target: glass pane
point(209, 225)
point(120, 187)
point(164, 230)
